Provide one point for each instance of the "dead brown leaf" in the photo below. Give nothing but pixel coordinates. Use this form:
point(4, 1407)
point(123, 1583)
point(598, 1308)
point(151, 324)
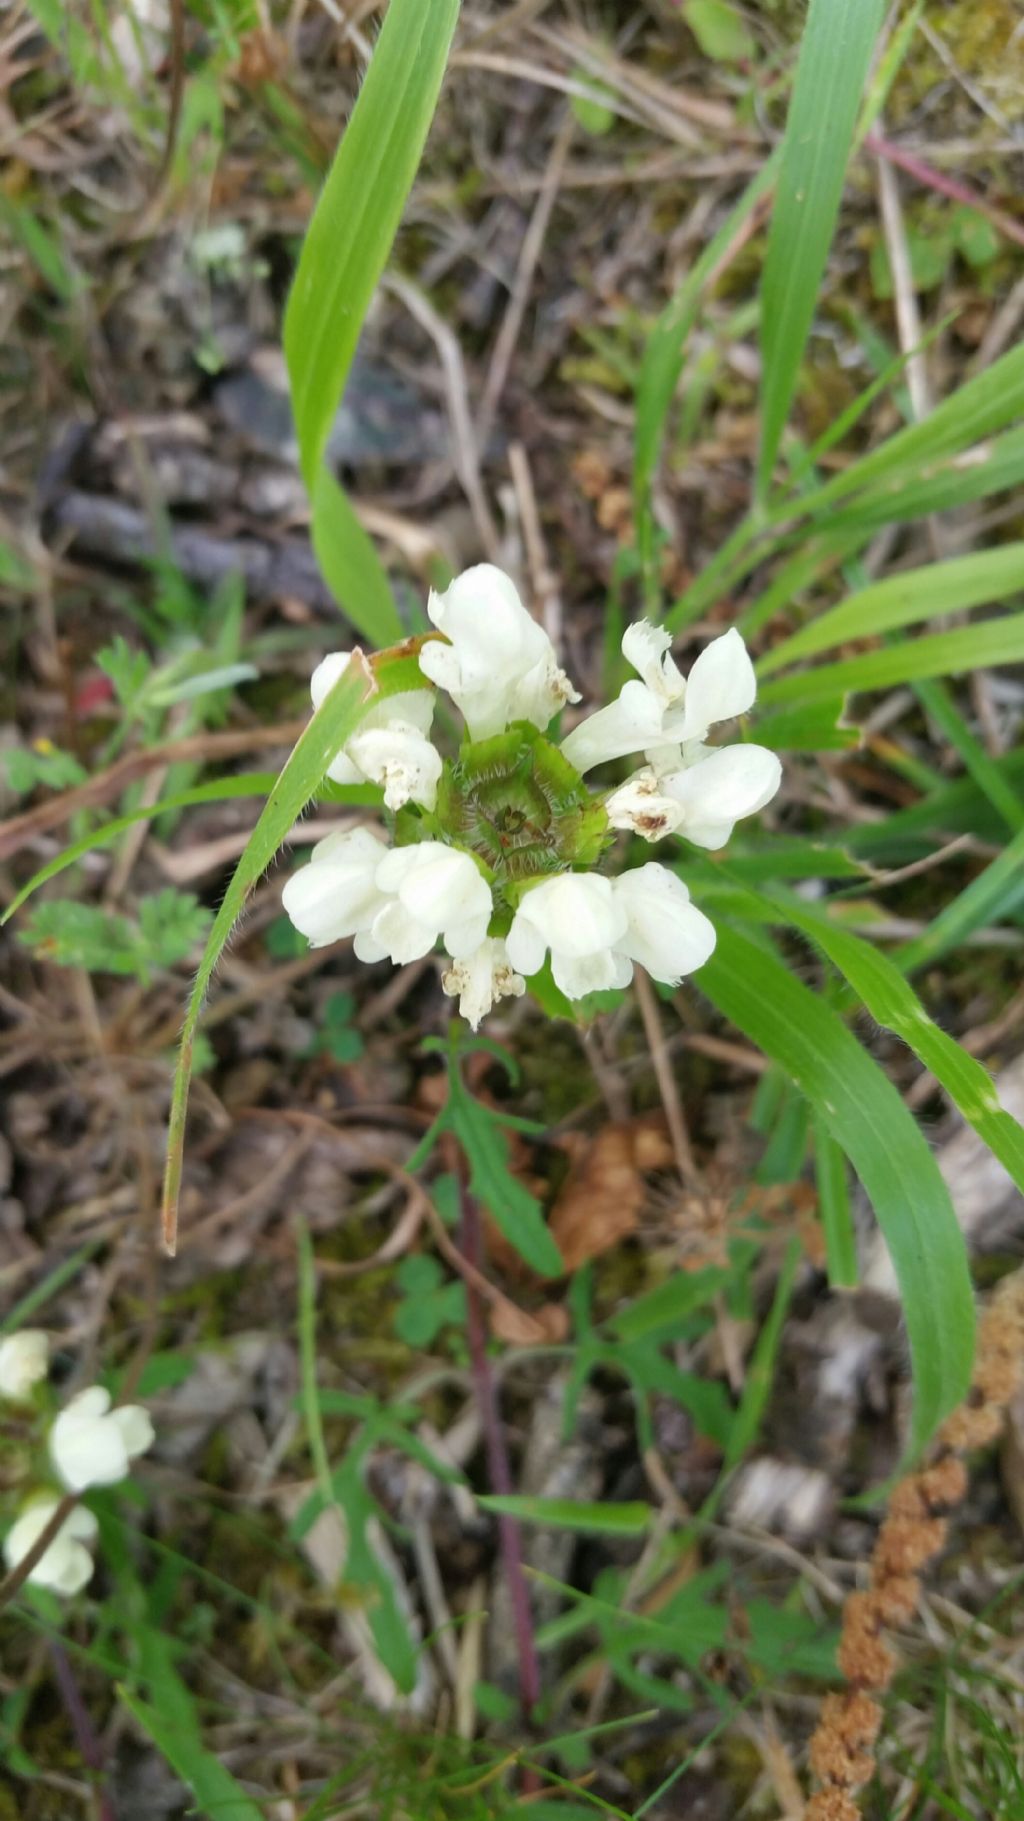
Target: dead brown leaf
point(605, 1190)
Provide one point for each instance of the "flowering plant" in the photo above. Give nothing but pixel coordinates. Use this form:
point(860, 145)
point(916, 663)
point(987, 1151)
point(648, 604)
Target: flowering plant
point(86, 1444)
point(495, 852)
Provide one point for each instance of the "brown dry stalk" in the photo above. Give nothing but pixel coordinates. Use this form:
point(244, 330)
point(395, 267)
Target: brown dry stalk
point(842, 1749)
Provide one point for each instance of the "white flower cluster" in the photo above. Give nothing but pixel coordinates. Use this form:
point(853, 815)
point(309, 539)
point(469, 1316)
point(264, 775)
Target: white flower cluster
point(505, 880)
point(89, 1444)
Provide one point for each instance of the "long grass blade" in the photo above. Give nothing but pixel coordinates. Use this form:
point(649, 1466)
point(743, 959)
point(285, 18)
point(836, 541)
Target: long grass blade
point(304, 771)
point(996, 641)
point(864, 1113)
point(904, 600)
point(344, 253)
point(835, 55)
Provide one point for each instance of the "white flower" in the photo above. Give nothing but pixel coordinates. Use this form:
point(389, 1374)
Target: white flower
point(66, 1565)
point(499, 666)
point(432, 890)
point(481, 980)
point(577, 917)
point(92, 1445)
point(665, 933)
point(664, 709)
point(699, 791)
point(390, 745)
point(596, 928)
point(24, 1360)
point(336, 894)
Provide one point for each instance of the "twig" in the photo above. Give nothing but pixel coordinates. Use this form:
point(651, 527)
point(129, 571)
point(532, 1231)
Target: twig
point(86, 1737)
point(18, 1576)
point(667, 1085)
point(533, 241)
point(926, 174)
point(499, 1472)
point(208, 746)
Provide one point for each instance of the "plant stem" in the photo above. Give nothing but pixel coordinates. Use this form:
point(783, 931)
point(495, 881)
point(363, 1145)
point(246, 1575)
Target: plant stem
point(81, 1725)
point(499, 1473)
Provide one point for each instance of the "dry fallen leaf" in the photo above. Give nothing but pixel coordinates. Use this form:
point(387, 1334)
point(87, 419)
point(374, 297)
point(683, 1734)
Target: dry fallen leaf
point(603, 1194)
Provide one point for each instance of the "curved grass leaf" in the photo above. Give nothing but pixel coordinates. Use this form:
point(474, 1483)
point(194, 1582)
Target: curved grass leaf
point(865, 1115)
point(879, 983)
point(217, 790)
point(903, 600)
point(344, 253)
point(995, 641)
point(218, 1796)
point(333, 723)
point(607, 1518)
point(835, 54)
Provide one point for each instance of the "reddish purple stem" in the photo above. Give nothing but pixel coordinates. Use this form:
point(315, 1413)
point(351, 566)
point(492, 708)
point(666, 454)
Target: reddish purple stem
point(499, 1473)
point(932, 179)
point(81, 1724)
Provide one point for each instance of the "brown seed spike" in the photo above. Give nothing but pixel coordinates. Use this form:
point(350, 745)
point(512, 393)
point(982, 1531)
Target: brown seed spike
point(832, 1805)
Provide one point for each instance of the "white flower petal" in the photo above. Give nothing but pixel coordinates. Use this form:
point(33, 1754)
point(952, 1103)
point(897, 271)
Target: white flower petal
point(400, 758)
point(66, 1565)
point(629, 724)
point(712, 835)
point(577, 975)
point(335, 895)
point(86, 1444)
point(721, 684)
point(538, 696)
point(731, 782)
point(500, 665)
point(525, 945)
point(666, 934)
point(466, 934)
point(641, 805)
point(400, 936)
point(24, 1361)
point(576, 913)
point(136, 1427)
point(438, 885)
point(326, 674)
point(409, 710)
point(481, 979)
point(647, 648)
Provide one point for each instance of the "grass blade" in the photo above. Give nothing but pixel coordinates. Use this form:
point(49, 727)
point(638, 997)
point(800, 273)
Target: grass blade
point(880, 985)
point(835, 55)
point(865, 1115)
point(996, 641)
point(303, 773)
point(218, 1795)
point(903, 600)
point(834, 1209)
point(344, 253)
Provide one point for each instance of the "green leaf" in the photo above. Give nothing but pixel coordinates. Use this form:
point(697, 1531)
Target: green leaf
point(345, 250)
point(721, 32)
point(218, 1795)
point(834, 1209)
point(999, 640)
point(835, 54)
point(103, 942)
point(596, 115)
point(994, 893)
point(628, 1518)
point(892, 1001)
point(903, 600)
point(663, 1309)
point(511, 1206)
point(864, 1113)
point(333, 723)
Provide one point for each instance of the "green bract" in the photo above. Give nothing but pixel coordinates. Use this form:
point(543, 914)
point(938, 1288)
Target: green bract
point(516, 803)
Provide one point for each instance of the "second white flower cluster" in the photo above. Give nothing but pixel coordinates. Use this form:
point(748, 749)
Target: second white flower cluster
point(495, 850)
point(88, 1444)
